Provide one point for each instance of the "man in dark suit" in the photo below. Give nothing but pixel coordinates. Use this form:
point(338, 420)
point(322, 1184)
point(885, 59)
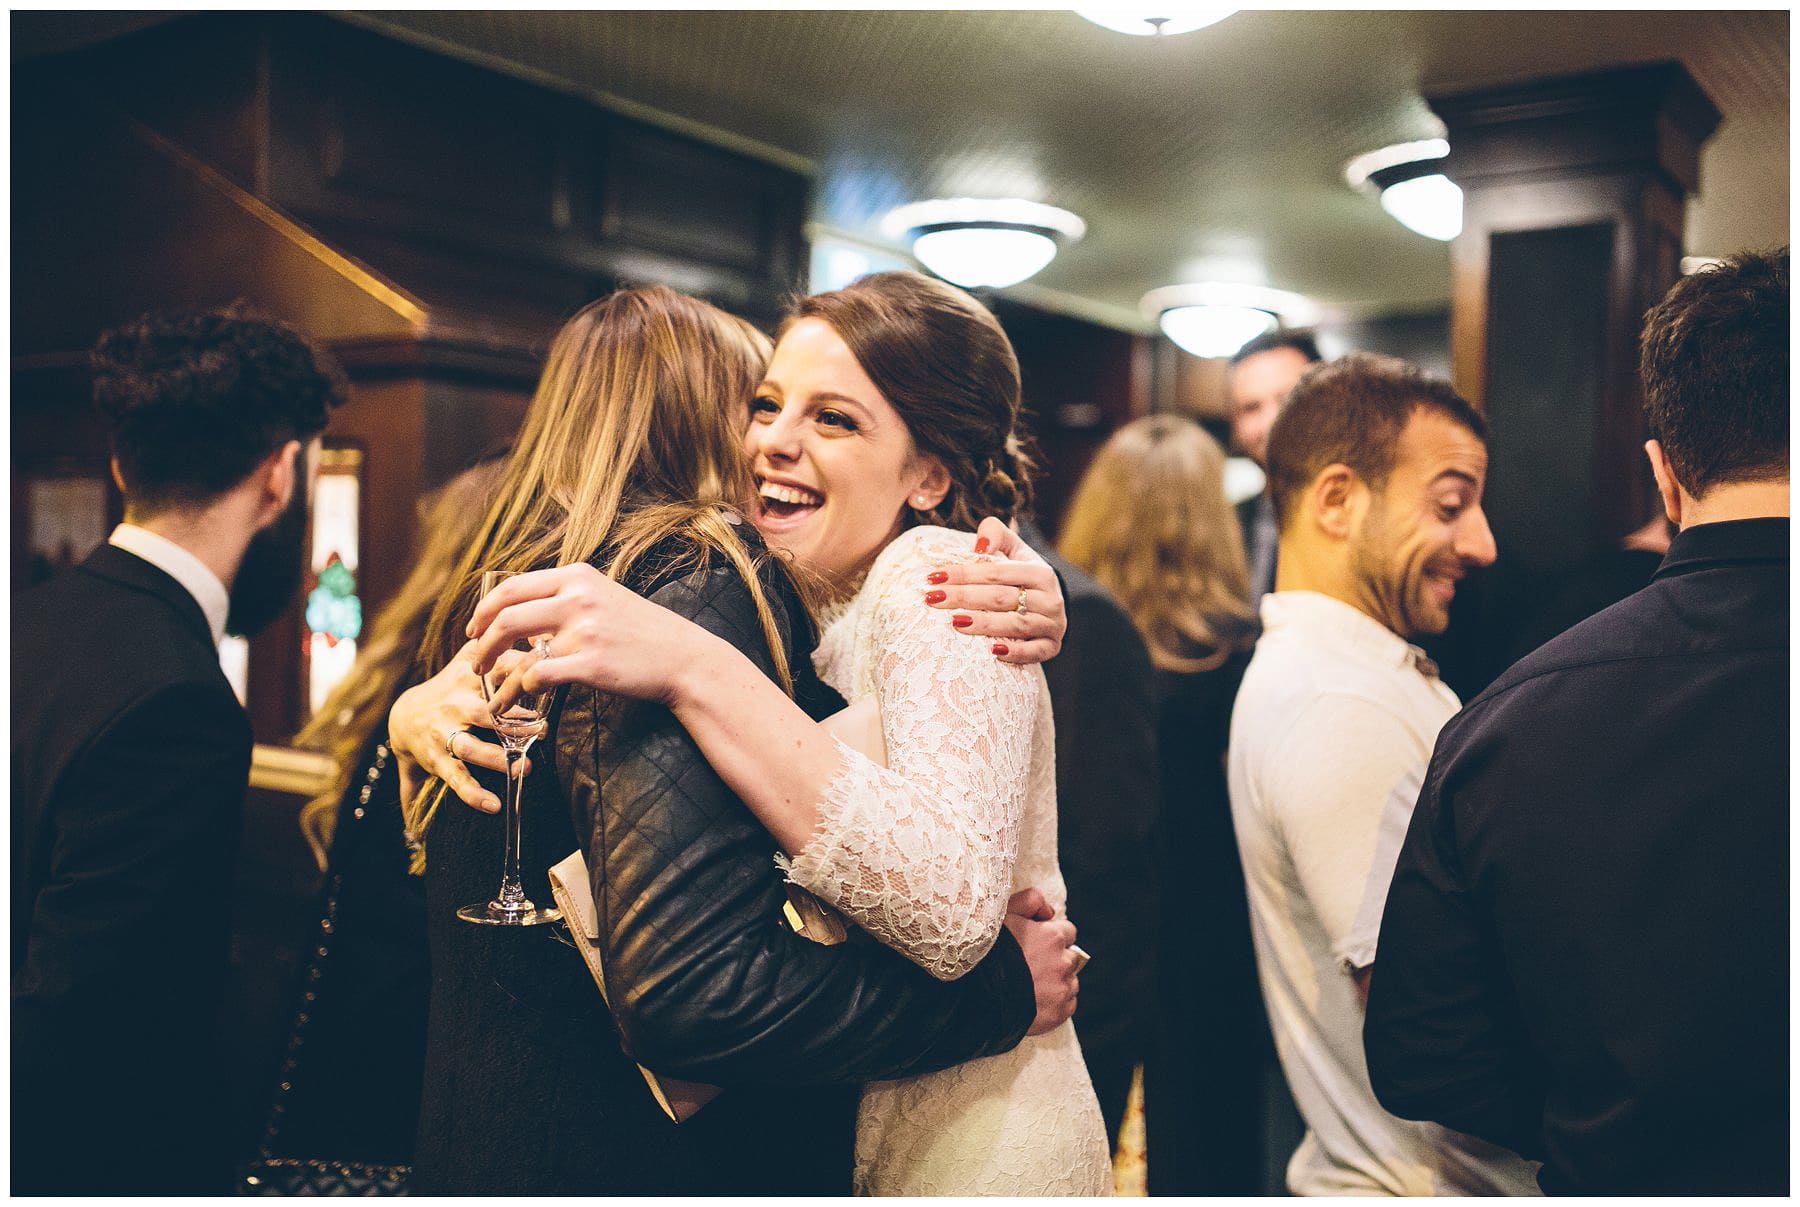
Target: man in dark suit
point(1584, 954)
point(1263, 373)
point(131, 753)
point(1103, 697)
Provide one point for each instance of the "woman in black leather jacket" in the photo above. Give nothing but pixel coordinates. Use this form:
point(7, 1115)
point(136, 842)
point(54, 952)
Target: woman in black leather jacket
point(629, 460)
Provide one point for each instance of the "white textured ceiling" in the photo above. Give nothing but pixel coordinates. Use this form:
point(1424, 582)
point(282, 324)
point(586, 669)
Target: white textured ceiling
point(1215, 154)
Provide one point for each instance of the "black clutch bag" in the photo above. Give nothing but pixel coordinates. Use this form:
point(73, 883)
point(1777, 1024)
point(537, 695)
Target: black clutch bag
point(337, 1179)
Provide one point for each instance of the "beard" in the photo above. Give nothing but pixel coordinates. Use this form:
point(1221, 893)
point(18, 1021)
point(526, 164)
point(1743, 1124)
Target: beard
point(273, 564)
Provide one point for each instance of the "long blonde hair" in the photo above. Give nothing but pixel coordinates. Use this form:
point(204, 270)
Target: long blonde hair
point(635, 435)
point(1150, 521)
point(386, 663)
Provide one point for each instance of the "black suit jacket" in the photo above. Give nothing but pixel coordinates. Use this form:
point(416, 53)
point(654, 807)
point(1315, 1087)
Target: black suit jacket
point(130, 760)
point(1248, 512)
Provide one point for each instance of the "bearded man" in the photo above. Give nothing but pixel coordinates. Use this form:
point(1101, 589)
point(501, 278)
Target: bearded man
point(131, 753)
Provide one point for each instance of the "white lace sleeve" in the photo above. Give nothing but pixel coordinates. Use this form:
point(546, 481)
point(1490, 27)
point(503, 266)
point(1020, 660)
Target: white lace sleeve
point(920, 853)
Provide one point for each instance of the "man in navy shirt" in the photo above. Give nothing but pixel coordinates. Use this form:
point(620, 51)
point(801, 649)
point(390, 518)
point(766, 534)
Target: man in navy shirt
point(1584, 955)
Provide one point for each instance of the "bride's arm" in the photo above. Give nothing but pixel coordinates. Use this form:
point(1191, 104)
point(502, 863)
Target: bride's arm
point(921, 852)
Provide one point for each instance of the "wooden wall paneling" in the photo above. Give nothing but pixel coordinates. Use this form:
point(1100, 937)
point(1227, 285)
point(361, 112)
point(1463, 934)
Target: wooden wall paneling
point(395, 137)
point(198, 80)
point(1546, 361)
point(1423, 338)
point(132, 223)
point(1617, 148)
point(55, 434)
point(1581, 181)
point(672, 194)
point(1079, 388)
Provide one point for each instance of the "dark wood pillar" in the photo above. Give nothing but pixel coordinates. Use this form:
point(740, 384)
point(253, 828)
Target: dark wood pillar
point(1574, 194)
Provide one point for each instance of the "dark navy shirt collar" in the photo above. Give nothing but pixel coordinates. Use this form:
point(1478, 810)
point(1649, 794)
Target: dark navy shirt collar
point(1762, 540)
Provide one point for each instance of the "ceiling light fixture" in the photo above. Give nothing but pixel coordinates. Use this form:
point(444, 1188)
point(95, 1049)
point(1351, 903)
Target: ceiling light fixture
point(1214, 319)
point(976, 242)
point(1160, 22)
point(1412, 189)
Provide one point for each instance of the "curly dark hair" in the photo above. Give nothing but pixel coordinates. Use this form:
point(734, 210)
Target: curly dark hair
point(194, 400)
point(944, 363)
point(1714, 360)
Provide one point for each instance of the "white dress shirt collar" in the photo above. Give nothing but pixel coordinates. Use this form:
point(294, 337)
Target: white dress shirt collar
point(183, 567)
point(1345, 627)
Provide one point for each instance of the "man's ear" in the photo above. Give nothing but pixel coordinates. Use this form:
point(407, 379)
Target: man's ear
point(1666, 486)
point(1335, 500)
point(275, 482)
point(930, 485)
point(118, 478)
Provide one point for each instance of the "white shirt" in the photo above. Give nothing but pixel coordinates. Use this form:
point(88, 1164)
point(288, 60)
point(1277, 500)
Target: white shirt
point(183, 567)
point(1334, 720)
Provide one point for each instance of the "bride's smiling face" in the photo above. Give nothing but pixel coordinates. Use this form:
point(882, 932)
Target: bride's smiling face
point(834, 463)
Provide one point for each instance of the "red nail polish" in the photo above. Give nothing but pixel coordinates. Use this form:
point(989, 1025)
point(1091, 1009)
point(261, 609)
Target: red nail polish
point(938, 576)
point(934, 597)
point(981, 544)
point(962, 622)
point(999, 648)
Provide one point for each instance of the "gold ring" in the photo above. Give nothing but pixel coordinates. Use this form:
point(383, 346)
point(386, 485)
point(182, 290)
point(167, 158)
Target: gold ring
point(1022, 609)
point(450, 742)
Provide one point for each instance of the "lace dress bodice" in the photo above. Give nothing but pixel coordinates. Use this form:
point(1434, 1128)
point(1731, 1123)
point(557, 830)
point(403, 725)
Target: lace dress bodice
point(924, 853)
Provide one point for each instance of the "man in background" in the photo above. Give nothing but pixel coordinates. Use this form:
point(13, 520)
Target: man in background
point(1263, 372)
point(131, 753)
point(1376, 474)
point(1585, 952)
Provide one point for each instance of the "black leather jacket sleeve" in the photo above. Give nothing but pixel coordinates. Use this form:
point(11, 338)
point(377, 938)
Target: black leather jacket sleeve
point(704, 981)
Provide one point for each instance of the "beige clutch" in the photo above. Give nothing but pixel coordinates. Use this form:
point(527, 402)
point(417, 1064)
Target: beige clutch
point(569, 884)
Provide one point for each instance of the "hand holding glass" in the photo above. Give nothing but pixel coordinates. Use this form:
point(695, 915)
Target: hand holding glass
point(519, 721)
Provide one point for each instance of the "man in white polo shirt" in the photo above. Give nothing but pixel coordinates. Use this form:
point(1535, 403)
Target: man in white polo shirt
point(1376, 473)
point(131, 754)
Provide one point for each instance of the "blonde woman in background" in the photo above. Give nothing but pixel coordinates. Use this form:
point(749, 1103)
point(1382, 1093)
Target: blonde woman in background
point(1150, 521)
point(350, 1090)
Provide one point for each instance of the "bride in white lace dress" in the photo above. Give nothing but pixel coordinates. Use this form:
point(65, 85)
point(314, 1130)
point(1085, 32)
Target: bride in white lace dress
point(884, 423)
point(924, 854)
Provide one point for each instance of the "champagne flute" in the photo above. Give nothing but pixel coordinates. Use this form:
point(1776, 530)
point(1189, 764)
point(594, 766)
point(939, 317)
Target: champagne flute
point(520, 723)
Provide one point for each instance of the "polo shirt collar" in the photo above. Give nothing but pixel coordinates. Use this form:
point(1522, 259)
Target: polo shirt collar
point(1343, 627)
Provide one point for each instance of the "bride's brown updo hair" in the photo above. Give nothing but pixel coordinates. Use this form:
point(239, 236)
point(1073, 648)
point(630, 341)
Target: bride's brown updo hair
point(943, 362)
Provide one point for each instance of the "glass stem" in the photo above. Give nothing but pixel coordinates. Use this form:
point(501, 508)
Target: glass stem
point(512, 891)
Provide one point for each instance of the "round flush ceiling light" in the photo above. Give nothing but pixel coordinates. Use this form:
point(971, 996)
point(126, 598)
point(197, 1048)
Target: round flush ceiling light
point(1162, 21)
point(1413, 191)
point(1215, 319)
point(975, 242)
point(1215, 330)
